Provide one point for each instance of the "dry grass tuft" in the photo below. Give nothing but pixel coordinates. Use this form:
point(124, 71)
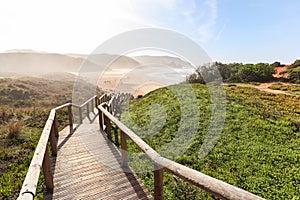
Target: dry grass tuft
point(14, 129)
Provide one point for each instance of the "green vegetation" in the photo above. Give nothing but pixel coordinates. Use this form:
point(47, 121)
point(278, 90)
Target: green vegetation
point(25, 103)
point(258, 149)
point(24, 92)
point(239, 72)
point(233, 72)
point(293, 72)
point(16, 154)
point(292, 89)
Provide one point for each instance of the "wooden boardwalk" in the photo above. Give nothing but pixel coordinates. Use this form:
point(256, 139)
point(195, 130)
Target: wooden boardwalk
point(88, 166)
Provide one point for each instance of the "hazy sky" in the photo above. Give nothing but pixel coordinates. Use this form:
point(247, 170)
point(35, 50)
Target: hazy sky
point(229, 30)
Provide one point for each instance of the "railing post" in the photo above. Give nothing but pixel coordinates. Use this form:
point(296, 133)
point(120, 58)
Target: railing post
point(55, 127)
point(96, 102)
point(93, 105)
point(112, 105)
point(123, 149)
point(70, 118)
point(158, 182)
point(53, 140)
point(80, 115)
point(107, 127)
point(110, 108)
point(116, 138)
point(87, 110)
point(47, 171)
point(100, 119)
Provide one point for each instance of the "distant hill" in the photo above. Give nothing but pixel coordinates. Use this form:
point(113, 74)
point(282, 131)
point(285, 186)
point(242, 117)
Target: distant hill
point(28, 61)
point(23, 62)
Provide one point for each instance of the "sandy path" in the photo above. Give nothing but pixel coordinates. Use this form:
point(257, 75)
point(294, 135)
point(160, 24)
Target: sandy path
point(136, 86)
point(265, 87)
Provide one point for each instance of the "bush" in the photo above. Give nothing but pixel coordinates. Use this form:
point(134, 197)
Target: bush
point(204, 74)
point(233, 72)
point(14, 129)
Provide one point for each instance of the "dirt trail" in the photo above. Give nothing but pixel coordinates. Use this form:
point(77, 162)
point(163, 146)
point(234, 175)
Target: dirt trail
point(265, 87)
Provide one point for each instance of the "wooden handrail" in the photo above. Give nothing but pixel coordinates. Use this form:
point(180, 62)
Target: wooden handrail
point(88, 101)
point(62, 106)
point(30, 183)
point(41, 157)
point(209, 184)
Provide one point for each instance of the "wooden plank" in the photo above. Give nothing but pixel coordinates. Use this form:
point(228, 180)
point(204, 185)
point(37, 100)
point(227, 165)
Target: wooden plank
point(81, 174)
point(47, 171)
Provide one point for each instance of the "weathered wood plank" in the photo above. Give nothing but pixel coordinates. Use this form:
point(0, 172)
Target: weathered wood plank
point(41, 155)
point(84, 170)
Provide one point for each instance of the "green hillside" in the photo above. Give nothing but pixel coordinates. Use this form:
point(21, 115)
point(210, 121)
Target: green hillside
point(258, 150)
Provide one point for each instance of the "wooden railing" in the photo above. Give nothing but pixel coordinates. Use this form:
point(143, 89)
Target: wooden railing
point(41, 158)
point(106, 105)
point(209, 184)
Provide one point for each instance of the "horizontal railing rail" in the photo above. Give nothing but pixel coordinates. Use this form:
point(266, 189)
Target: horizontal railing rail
point(209, 184)
point(41, 158)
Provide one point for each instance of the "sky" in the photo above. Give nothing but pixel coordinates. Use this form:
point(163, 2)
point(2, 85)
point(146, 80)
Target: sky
point(248, 31)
